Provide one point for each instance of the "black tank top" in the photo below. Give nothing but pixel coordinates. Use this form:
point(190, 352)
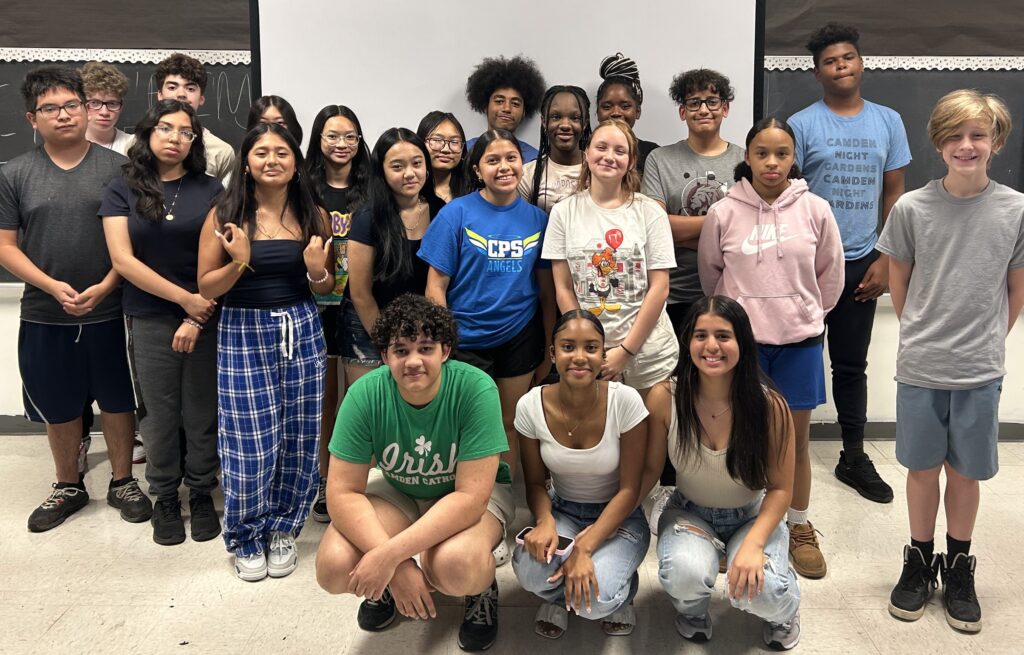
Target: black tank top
point(278, 278)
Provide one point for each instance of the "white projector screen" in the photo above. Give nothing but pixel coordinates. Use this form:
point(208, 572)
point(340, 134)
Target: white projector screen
point(392, 61)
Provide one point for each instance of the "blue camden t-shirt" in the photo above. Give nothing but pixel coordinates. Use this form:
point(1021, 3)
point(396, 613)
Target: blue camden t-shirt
point(529, 152)
point(490, 253)
point(843, 159)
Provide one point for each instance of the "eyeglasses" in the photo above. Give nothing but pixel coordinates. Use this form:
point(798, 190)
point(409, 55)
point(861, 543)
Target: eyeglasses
point(72, 107)
point(112, 105)
point(331, 139)
point(437, 143)
point(166, 131)
point(713, 103)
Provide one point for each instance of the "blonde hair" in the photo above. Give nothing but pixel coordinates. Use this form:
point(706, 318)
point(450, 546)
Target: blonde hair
point(631, 181)
point(97, 76)
point(958, 107)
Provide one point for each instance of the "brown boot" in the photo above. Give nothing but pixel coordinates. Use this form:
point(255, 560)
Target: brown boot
point(805, 552)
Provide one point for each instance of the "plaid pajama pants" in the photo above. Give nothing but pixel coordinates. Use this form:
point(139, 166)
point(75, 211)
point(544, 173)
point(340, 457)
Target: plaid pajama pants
point(270, 373)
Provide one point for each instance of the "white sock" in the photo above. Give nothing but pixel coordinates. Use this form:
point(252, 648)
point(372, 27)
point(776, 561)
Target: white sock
point(796, 516)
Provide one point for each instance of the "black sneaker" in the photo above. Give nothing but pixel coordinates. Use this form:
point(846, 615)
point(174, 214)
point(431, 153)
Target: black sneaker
point(62, 503)
point(168, 528)
point(917, 582)
point(962, 609)
point(375, 615)
point(205, 524)
point(319, 511)
point(135, 506)
point(480, 627)
point(860, 473)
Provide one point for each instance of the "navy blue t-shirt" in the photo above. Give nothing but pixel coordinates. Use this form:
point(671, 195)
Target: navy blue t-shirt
point(169, 247)
point(490, 253)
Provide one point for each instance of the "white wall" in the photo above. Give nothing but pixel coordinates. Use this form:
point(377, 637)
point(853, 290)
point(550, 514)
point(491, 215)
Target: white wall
point(881, 365)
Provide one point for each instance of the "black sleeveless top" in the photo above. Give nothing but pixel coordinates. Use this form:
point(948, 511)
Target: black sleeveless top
point(278, 278)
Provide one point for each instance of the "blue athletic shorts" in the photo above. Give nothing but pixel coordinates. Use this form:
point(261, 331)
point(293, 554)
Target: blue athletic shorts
point(798, 372)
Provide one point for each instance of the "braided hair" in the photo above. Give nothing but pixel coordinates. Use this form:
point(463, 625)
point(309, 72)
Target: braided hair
point(620, 69)
point(540, 171)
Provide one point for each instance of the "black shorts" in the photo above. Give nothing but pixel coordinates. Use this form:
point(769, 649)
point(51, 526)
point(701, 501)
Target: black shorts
point(329, 315)
point(62, 366)
point(519, 355)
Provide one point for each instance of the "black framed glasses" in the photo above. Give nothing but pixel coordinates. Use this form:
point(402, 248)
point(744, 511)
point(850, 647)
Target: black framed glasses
point(111, 105)
point(72, 107)
point(332, 139)
point(712, 102)
point(437, 143)
point(166, 131)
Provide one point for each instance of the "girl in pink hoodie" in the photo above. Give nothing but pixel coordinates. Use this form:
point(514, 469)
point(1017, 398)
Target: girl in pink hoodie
point(775, 247)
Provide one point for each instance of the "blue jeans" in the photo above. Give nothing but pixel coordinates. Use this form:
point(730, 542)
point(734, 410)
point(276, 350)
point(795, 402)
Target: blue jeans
point(690, 540)
point(615, 561)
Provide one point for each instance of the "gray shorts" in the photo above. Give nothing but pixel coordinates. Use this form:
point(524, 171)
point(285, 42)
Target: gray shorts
point(937, 425)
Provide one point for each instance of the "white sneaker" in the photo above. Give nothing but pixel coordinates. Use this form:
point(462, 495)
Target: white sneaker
point(660, 497)
point(138, 452)
point(782, 636)
point(283, 558)
point(695, 628)
point(501, 553)
point(251, 568)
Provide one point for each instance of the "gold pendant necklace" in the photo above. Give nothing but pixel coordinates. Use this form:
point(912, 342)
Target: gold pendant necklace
point(589, 412)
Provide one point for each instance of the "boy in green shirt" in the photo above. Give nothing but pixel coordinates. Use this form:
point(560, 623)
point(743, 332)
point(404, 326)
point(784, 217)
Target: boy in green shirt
point(434, 428)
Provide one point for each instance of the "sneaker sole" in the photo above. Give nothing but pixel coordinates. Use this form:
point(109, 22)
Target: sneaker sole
point(205, 536)
point(173, 541)
point(907, 615)
point(251, 576)
point(808, 573)
point(775, 645)
point(378, 628)
point(320, 518)
point(282, 572)
point(478, 649)
point(131, 519)
point(50, 526)
point(883, 500)
point(963, 626)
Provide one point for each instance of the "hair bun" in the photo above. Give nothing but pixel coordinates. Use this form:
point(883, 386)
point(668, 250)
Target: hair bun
point(619, 65)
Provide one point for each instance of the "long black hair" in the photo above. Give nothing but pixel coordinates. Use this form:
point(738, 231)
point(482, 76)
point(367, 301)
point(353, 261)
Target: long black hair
point(544, 151)
point(359, 173)
point(459, 183)
point(141, 170)
point(743, 170)
point(238, 203)
point(392, 258)
point(480, 146)
point(755, 402)
point(284, 107)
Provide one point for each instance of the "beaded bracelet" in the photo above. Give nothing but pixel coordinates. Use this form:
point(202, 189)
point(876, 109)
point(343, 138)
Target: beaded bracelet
point(327, 274)
point(195, 324)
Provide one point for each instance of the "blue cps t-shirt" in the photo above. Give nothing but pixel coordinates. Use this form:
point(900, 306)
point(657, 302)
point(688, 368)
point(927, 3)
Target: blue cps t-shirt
point(490, 253)
point(843, 159)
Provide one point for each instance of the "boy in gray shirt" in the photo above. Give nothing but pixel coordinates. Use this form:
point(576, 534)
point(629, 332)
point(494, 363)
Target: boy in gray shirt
point(956, 275)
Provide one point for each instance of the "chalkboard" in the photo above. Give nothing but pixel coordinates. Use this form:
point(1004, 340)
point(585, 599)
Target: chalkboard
point(913, 94)
point(228, 97)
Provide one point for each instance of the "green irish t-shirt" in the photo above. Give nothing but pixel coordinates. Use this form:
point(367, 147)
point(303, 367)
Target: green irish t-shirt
point(417, 449)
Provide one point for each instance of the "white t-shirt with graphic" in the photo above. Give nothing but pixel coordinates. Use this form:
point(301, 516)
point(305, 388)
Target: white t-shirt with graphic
point(556, 182)
point(609, 252)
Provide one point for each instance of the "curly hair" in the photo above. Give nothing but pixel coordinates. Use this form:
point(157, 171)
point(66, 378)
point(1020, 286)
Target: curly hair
point(519, 73)
point(410, 315)
point(831, 34)
point(178, 64)
point(49, 78)
point(700, 79)
point(98, 77)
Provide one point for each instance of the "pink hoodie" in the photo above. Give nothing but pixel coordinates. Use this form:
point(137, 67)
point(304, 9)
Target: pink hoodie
point(783, 262)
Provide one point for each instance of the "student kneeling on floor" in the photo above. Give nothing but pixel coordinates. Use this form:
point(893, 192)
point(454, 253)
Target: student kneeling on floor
point(438, 490)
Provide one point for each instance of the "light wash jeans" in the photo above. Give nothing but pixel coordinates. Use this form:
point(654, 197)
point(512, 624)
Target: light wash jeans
point(615, 561)
point(690, 540)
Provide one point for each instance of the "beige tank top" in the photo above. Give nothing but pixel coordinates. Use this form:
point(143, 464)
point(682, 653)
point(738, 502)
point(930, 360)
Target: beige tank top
point(703, 477)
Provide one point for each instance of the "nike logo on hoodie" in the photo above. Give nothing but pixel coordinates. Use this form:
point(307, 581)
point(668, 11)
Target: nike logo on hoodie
point(765, 236)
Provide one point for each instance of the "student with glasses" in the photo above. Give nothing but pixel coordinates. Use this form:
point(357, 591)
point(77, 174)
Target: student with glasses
point(338, 168)
point(152, 216)
point(446, 140)
point(71, 340)
point(105, 88)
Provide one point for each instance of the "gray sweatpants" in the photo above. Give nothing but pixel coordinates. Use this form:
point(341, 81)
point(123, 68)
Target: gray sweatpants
point(180, 394)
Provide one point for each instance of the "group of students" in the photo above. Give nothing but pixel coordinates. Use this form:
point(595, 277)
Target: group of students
point(609, 317)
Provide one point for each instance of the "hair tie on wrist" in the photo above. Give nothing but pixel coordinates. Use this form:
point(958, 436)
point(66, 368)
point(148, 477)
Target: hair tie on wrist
point(631, 353)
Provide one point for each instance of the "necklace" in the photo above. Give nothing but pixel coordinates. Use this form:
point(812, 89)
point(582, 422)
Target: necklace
point(419, 221)
point(169, 215)
point(280, 225)
point(589, 412)
point(720, 414)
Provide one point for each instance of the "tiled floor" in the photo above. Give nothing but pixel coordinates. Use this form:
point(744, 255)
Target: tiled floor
point(99, 585)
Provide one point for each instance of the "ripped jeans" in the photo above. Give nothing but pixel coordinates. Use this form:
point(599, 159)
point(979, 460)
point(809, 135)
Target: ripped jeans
point(691, 539)
point(615, 561)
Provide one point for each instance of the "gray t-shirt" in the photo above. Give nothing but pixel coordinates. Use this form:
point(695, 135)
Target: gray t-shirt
point(55, 212)
point(688, 184)
point(953, 327)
